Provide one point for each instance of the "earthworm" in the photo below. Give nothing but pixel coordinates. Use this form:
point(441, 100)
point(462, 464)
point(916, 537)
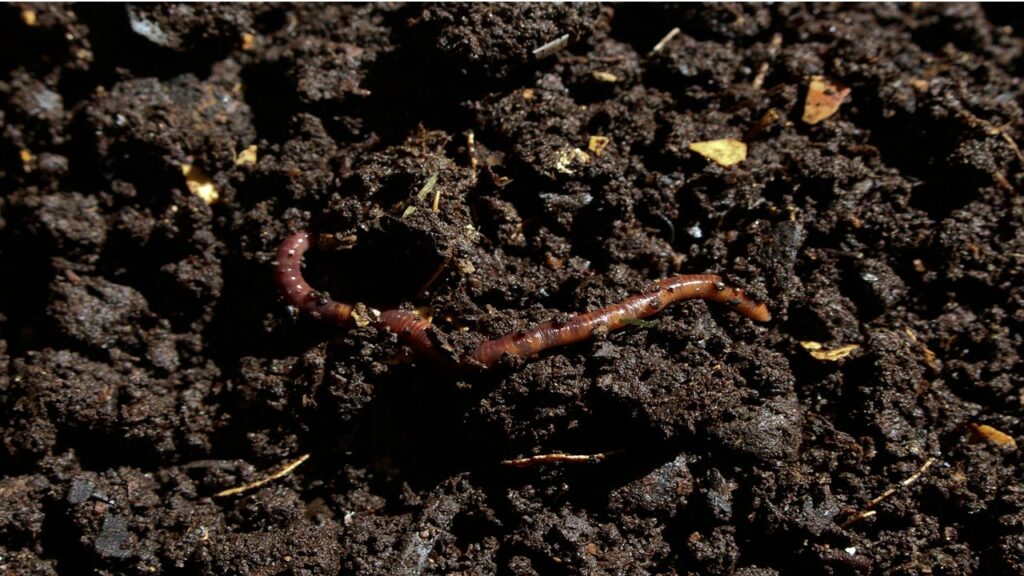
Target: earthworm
point(410, 327)
point(414, 331)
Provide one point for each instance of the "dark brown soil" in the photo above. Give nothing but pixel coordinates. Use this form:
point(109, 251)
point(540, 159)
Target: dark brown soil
point(147, 362)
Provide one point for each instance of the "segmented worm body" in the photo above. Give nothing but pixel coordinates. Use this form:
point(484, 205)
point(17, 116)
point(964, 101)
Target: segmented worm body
point(414, 331)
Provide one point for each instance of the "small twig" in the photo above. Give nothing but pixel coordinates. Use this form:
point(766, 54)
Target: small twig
point(867, 511)
point(558, 457)
point(664, 40)
point(283, 471)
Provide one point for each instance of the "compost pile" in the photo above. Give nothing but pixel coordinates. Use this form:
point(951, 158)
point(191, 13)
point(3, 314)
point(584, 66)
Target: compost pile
point(494, 167)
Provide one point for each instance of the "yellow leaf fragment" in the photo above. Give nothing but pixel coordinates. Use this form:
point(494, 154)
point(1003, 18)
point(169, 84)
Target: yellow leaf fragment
point(986, 433)
point(818, 351)
point(26, 159)
point(28, 16)
point(199, 183)
point(247, 156)
point(602, 76)
point(248, 41)
point(597, 144)
point(725, 152)
point(528, 94)
point(823, 99)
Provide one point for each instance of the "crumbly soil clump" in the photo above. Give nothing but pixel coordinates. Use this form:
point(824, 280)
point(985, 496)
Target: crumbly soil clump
point(498, 166)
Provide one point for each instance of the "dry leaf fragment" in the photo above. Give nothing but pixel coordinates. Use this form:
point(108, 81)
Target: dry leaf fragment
point(771, 116)
point(597, 144)
point(247, 156)
point(26, 159)
point(818, 352)
point(823, 99)
point(986, 433)
point(199, 183)
point(725, 152)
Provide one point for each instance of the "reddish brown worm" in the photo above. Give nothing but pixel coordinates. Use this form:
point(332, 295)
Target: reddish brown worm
point(414, 331)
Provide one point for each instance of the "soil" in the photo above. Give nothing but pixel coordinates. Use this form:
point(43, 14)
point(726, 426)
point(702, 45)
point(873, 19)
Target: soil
point(147, 362)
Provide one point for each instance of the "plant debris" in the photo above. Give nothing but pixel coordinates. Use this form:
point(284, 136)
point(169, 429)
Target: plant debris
point(200, 183)
point(557, 458)
point(726, 152)
point(665, 40)
point(868, 510)
point(568, 157)
point(824, 97)
point(246, 157)
point(551, 47)
point(26, 158)
point(986, 433)
point(281, 472)
point(818, 351)
point(770, 117)
point(597, 144)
